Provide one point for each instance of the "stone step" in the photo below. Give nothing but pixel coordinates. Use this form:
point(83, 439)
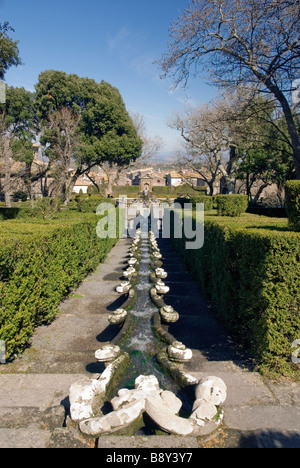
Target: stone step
point(32, 437)
point(33, 427)
point(153, 442)
point(24, 438)
point(24, 417)
point(29, 427)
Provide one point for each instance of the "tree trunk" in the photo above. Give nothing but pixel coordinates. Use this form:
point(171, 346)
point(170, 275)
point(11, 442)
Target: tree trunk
point(70, 187)
point(231, 184)
point(248, 188)
point(7, 196)
point(7, 176)
point(260, 190)
point(292, 127)
point(297, 161)
point(229, 181)
point(27, 177)
point(44, 186)
point(111, 179)
point(109, 187)
point(210, 184)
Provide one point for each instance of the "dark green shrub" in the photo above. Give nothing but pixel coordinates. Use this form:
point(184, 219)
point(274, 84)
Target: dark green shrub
point(22, 212)
point(180, 190)
point(231, 205)
point(253, 278)
point(166, 190)
point(182, 200)
point(126, 190)
point(86, 206)
point(93, 190)
point(39, 264)
point(206, 200)
point(266, 211)
point(9, 213)
point(19, 196)
point(90, 204)
point(48, 207)
point(292, 203)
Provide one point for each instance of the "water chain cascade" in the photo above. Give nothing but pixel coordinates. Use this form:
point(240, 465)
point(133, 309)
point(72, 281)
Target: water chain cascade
point(142, 375)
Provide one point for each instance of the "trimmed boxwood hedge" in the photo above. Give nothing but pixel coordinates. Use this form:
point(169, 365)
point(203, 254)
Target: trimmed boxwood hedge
point(39, 264)
point(205, 199)
point(231, 205)
point(252, 275)
point(292, 203)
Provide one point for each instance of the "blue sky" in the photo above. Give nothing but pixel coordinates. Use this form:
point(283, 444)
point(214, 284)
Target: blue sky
point(113, 40)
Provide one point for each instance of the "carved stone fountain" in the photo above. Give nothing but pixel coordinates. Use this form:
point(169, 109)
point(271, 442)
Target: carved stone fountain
point(128, 406)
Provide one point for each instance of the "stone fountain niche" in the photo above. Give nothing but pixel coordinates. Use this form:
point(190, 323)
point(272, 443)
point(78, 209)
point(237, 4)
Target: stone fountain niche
point(147, 397)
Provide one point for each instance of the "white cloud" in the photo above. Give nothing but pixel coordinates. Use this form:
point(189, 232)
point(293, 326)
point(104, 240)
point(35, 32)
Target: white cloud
point(143, 64)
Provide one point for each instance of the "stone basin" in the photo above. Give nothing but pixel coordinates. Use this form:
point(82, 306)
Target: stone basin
point(132, 261)
point(129, 272)
point(118, 316)
point(178, 352)
point(161, 273)
point(124, 287)
point(107, 353)
point(168, 314)
point(161, 287)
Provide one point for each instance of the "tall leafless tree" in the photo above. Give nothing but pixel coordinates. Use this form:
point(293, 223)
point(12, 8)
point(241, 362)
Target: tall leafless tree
point(203, 143)
point(151, 145)
point(62, 130)
point(254, 42)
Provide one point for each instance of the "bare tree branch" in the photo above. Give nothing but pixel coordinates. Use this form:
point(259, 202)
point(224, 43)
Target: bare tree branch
point(240, 42)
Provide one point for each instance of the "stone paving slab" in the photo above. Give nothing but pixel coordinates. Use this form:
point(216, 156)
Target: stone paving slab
point(137, 442)
point(231, 438)
point(86, 305)
point(24, 438)
point(35, 390)
point(194, 335)
point(262, 417)
point(243, 388)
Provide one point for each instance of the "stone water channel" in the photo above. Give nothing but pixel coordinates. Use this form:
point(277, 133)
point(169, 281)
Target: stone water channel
point(142, 344)
point(143, 388)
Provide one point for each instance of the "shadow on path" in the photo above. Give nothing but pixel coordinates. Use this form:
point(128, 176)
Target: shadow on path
point(197, 327)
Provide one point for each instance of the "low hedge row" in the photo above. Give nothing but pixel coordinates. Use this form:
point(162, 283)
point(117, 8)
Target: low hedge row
point(231, 205)
point(227, 205)
point(87, 204)
point(39, 264)
point(292, 203)
point(49, 207)
point(253, 278)
point(172, 190)
point(266, 211)
point(206, 200)
point(17, 213)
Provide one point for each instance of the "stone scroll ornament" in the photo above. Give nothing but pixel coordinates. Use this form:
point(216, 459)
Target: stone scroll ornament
point(147, 397)
point(87, 396)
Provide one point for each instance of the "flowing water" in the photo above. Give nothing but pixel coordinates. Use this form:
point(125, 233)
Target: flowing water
point(142, 345)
